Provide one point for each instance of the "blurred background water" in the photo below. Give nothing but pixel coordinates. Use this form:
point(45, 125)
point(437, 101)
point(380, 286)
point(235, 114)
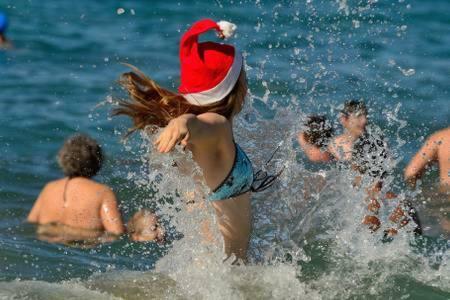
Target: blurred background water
point(302, 57)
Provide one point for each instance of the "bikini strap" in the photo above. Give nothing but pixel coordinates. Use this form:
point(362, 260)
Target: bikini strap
point(65, 189)
point(261, 179)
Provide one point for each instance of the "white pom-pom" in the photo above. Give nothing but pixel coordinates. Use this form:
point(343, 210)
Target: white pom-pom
point(227, 28)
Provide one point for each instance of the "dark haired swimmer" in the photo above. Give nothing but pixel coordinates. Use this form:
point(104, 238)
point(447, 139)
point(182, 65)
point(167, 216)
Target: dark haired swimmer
point(315, 138)
point(76, 207)
point(4, 42)
point(354, 120)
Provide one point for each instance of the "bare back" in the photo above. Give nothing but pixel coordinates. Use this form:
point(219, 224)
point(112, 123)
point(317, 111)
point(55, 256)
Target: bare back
point(79, 203)
point(215, 155)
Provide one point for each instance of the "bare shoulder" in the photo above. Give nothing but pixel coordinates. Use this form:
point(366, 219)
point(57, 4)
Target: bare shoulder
point(94, 186)
point(103, 188)
point(54, 184)
point(211, 117)
point(441, 136)
point(214, 128)
point(436, 139)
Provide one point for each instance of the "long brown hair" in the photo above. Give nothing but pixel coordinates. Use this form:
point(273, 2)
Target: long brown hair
point(151, 104)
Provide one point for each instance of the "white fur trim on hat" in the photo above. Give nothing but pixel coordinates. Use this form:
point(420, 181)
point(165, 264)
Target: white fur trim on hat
point(221, 90)
point(227, 28)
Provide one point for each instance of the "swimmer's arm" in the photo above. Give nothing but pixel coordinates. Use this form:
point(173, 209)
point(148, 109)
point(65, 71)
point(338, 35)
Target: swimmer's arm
point(314, 153)
point(33, 216)
point(191, 128)
point(110, 215)
point(426, 155)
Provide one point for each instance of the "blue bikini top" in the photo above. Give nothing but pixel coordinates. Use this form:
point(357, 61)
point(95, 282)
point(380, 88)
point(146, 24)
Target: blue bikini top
point(238, 181)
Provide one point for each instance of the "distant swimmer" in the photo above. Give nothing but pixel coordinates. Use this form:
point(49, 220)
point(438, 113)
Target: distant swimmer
point(4, 42)
point(435, 149)
point(354, 120)
point(144, 226)
point(76, 208)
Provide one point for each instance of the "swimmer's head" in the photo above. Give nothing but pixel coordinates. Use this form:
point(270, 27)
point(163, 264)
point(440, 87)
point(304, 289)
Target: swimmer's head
point(80, 156)
point(318, 130)
point(144, 226)
point(3, 23)
point(212, 79)
point(369, 156)
point(354, 116)
point(154, 106)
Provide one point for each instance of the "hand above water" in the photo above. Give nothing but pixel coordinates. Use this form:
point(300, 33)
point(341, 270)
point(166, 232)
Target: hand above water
point(174, 133)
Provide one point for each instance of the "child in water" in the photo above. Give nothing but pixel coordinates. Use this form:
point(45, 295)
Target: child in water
point(144, 226)
point(200, 117)
point(76, 207)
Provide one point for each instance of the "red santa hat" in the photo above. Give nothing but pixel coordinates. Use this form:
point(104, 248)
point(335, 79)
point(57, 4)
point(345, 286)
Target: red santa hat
point(209, 70)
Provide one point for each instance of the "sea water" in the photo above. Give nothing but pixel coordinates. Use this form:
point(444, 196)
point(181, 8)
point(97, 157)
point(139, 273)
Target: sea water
point(301, 57)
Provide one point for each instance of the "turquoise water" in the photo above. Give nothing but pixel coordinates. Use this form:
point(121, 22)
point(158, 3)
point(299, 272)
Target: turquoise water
point(302, 57)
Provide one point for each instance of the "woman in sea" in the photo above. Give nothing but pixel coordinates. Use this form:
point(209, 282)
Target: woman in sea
point(76, 207)
point(200, 117)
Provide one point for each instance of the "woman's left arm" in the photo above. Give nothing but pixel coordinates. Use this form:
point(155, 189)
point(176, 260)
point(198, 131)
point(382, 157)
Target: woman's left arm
point(190, 128)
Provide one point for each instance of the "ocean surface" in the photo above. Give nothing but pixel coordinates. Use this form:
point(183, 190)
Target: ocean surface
point(302, 57)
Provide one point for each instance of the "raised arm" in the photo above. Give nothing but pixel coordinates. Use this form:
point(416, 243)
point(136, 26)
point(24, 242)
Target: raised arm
point(314, 153)
point(190, 128)
point(426, 155)
point(110, 215)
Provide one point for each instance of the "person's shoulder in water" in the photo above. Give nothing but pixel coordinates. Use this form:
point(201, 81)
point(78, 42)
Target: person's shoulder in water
point(77, 200)
point(144, 226)
point(315, 137)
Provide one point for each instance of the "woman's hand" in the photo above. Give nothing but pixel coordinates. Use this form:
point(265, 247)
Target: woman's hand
point(175, 132)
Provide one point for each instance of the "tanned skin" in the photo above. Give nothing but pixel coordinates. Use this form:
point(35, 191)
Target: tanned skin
point(340, 148)
point(435, 149)
point(89, 210)
point(209, 137)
